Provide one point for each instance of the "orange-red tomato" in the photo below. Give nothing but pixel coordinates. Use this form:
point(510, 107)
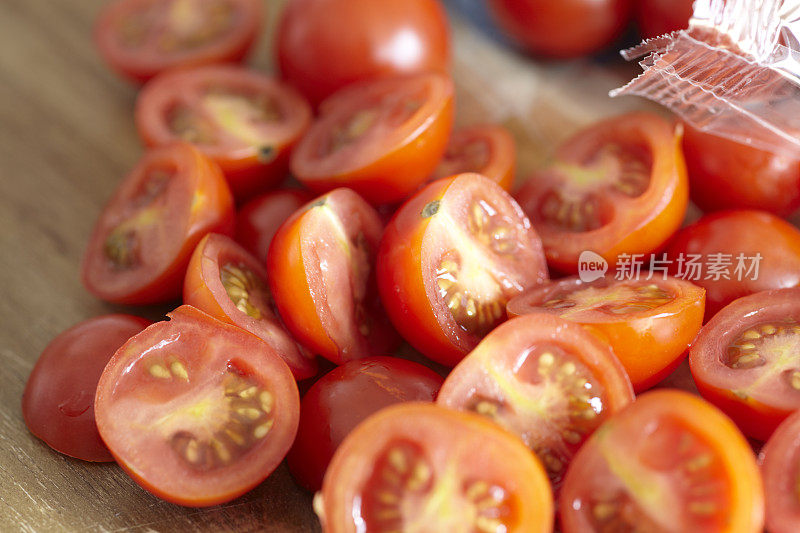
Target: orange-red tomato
point(780, 468)
point(488, 150)
point(657, 17)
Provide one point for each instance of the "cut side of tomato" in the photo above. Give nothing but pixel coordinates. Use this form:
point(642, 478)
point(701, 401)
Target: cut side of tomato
point(258, 220)
point(780, 468)
point(488, 150)
point(420, 467)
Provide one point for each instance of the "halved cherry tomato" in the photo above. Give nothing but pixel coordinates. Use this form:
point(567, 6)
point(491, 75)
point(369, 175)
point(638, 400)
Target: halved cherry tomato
point(58, 402)
point(780, 468)
point(420, 467)
point(382, 138)
point(725, 174)
point(616, 187)
point(746, 360)
point(735, 253)
point(648, 323)
point(668, 462)
point(244, 120)
point(562, 28)
point(488, 150)
point(321, 273)
point(140, 38)
point(545, 379)
point(450, 259)
point(198, 412)
point(259, 219)
point(342, 398)
point(657, 17)
point(141, 244)
point(323, 45)
point(229, 284)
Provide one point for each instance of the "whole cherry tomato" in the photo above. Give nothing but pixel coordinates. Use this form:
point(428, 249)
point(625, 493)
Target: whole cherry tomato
point(657, 17)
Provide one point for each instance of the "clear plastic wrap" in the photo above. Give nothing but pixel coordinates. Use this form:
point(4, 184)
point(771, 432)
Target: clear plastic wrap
point(735, 72)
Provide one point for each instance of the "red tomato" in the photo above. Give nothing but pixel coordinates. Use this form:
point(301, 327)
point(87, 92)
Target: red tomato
point(229, 284)
point(141, 244)
point(198, 412)
point(419, 467)
point(259, 219)
point(730, 240)
point(744, 362)
point(382, 139)
point(562, 28)
point(657, 17)
point(545, 379)
point(338, 402)
point(724, 174)
point(450, 259)
point(323, 45)
point(780, 468)
point(618, 187)
point(58, 402)
point(648, 323)
point(245, 121)
point(140, 38)
point(321, 275)
point(668, 462)
point(488, 150)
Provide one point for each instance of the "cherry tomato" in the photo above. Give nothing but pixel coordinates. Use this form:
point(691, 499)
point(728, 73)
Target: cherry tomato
point(545, 379)
point(58, 402)
point(658, 17)
point(229, 284)
point(648, 323)
point(382, 139)
point(724, 174)
point(732, 242)
point(488, 150)
point(321, 273)
point(141, 244)
point(420, 467)
point(341, 399)
point(140, 38)
point(259, 219)
point(198, 412)
point(323, 45)
point(450, 259)
point(562, 28)
point(780, 468)
point(618, 187)
point(668, 462)
point(745, 360)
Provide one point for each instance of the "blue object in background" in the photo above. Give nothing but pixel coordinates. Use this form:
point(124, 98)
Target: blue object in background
point(477, 13)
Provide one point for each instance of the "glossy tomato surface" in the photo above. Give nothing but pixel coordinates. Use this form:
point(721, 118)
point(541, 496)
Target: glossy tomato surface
point(141, 243)
point(58, 401)
point(617, 187)
point(735, 253)
point(420, 467)
point(321, 267)
point(247, 122)
point(382, 138)
point(746, 360)
point(657, 17)
point(488, 150)
point(259, 219)
point(780, 468)
point(545, 379)
point(198, 412)
point(450, 259)
point(562, 28)
point(140, 38)
point(229, 284)
point(649, 323)
point(344, 397)
point(323, 45)
point(668, 462)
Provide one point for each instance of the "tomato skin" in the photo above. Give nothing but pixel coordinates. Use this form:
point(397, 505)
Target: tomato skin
point(657, 17)
point(341, 399)
point(318, 58)
point(562, 28)
point(725, 174)
point(58, 401)
point(259, 219)
point(501, 154)
point(735, 232)
point(779, 459)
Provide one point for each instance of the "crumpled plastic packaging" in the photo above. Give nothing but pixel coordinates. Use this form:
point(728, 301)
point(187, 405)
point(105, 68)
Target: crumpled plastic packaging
point(735, 72)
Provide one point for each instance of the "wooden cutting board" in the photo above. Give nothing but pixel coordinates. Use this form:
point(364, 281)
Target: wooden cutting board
point(67, 138)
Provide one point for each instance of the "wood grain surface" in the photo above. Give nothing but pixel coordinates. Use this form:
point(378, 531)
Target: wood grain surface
point(66, 139)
